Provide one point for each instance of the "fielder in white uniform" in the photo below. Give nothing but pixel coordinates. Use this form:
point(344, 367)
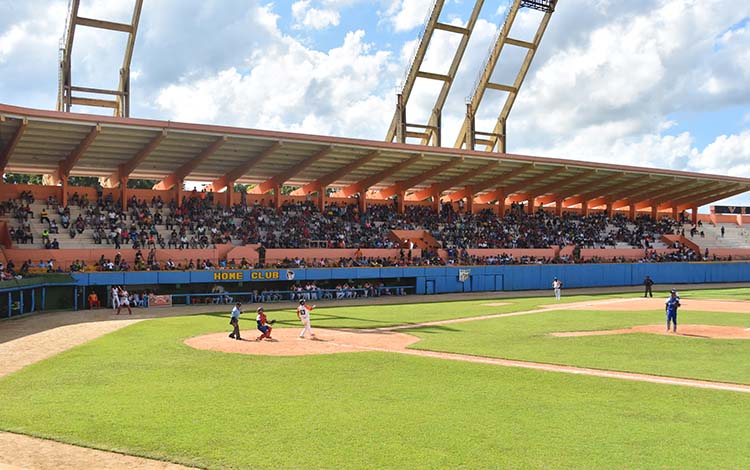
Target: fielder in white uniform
point(115, 298)
point(556, 285)
point(303, 313)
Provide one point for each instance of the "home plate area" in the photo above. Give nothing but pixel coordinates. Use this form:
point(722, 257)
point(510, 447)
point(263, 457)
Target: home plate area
point(286, 342)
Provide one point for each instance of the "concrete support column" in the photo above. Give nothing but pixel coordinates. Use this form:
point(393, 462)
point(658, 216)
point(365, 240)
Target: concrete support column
point(64, 189)
point(277, 197)
point(610, 211)
point(631, 211)
point(178, 192)
point(436, 202)
point(321, 198)
point(694, 214)
point(469, 199)
point(229, 194)
point(585, 208)
point(530, 205)
point(400, 201)
point(363, 202)
point(124, 192)
point(558, 207)
point(654, 211)
point(501, 204)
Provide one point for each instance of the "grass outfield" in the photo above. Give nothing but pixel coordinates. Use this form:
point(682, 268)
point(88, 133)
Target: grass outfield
point(527, 338)
point(141, 391)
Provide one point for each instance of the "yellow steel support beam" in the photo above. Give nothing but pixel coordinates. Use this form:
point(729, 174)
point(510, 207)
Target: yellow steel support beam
point(65, 98)
point(102, 24)
point(398, 129)
point(466, 137)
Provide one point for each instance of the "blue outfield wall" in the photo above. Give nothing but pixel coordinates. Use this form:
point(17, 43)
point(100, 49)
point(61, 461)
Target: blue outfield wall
point(434, 280)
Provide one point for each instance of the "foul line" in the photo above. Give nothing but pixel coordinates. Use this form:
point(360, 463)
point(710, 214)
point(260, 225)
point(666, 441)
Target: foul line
point(610, 374)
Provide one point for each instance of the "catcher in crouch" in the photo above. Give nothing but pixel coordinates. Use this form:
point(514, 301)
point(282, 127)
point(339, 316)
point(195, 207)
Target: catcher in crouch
point(263, 325)
point(303, 314)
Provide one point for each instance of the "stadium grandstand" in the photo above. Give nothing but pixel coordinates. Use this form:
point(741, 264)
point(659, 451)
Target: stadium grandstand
point(286, 200)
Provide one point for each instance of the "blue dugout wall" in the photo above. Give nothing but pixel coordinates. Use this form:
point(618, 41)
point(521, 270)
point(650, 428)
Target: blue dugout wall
point(438, 280)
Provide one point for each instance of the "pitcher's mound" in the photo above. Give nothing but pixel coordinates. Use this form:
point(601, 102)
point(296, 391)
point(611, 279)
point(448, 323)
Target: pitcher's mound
point(287, 343)
point(698, 331)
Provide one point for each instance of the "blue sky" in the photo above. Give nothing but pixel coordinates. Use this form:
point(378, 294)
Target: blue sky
point(662, 83)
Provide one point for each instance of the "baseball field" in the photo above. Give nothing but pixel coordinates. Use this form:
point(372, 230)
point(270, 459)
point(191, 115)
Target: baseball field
point(589, 382)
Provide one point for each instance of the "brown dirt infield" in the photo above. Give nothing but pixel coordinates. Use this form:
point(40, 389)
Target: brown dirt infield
point(687, 305)
point(287, 343)
point(693, 331)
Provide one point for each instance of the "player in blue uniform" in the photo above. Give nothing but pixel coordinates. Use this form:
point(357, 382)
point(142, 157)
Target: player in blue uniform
point(672, 304)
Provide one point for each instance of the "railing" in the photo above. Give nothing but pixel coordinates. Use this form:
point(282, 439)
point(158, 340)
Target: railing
point(288, 295)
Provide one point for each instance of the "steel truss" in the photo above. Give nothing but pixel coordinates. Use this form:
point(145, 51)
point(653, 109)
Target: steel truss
point(430, 133)
point(118, 100)
point(495, 140)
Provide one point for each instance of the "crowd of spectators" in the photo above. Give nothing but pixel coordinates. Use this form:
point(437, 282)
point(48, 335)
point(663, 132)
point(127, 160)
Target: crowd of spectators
point(198, 223)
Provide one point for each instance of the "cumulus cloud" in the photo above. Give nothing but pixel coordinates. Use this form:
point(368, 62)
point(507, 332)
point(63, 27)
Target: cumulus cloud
point(313, 18)
point(295, 88)
point(405, 15)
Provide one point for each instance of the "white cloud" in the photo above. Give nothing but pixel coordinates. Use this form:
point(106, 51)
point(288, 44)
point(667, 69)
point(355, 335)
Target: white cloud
point(406, 15)
point(728, 154)
point(313, 18)
point(291, 87)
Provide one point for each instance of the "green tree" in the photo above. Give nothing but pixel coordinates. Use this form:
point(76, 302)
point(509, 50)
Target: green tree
point(85, 181)
point(138, 183)
point(286, 190)
point(21, 178)
point(243, 188)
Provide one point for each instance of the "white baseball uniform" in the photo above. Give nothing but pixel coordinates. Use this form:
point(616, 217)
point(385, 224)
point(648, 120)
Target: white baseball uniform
point(556, 285)
point(115, 298)
point(304, 315)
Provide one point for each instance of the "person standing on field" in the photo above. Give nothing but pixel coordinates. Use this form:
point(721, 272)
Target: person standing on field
point(556, 286)
point(234, 320)
point(648, 282)
point(672, 304)
point(262, 321)
point(303, 313)
point(115, 298)
point(124, 301)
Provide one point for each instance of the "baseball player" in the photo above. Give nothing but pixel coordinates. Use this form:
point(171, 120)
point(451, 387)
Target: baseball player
point(303, 314)
point(263, 326)
point(556, 286)
point(124, 301)
point(235, 322)
point(115, 298)
point(672, 304)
